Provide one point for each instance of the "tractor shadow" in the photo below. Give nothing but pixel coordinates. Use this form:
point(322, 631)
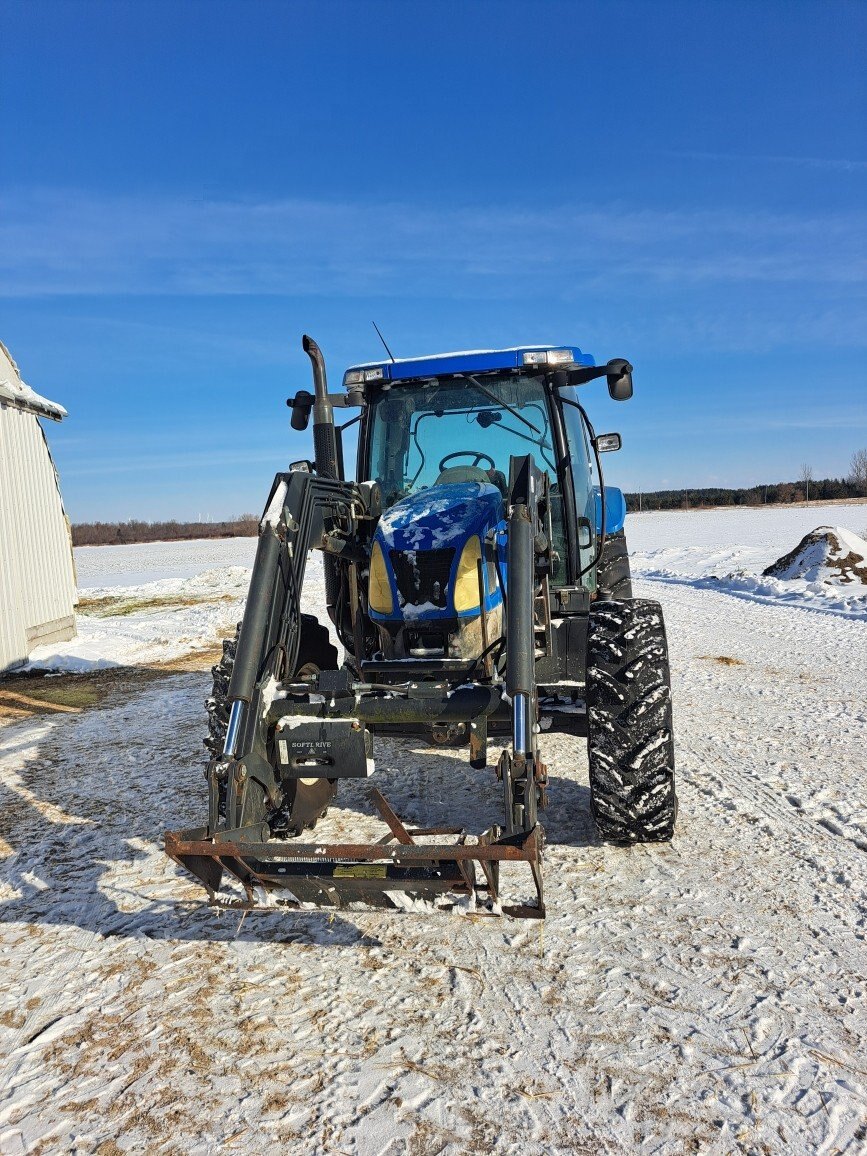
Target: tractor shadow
point(66, 871)
point(86, 797)
point(84, 800)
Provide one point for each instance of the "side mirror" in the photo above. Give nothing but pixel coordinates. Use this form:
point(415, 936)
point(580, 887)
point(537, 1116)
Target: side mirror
point(619, 374)
point(301, 404)
point(607, 443)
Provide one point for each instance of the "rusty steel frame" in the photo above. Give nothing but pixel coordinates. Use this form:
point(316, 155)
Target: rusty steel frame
point(441, 867)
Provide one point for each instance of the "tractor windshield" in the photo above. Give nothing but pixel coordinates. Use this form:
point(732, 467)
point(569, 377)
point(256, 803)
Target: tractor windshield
point(458, 430)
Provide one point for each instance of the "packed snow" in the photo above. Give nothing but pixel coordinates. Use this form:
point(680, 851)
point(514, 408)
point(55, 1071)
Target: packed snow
point(149, 622)
point(704, 996)
point(732, 550)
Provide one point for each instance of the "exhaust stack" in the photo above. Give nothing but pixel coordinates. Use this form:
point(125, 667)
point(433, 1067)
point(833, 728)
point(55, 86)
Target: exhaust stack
point(324, 437)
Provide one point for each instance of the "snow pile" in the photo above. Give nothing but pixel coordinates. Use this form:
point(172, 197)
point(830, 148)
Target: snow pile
point(829, 554)
point(150, 622)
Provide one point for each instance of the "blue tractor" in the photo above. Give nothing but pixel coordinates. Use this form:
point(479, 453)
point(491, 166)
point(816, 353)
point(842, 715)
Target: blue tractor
point(478, 580)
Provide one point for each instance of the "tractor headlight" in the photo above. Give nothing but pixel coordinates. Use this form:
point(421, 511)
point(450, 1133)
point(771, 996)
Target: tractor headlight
point(379, 588)
point(548, 357)
point(467, 580)
point(360, 376)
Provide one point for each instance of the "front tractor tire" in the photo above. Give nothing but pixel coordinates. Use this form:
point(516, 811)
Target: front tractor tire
point(630, 743)
point(304, 800)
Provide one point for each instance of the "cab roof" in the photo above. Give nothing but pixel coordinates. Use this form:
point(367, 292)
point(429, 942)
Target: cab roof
point(526, 357)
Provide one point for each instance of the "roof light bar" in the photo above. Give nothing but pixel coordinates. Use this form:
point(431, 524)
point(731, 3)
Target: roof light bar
point(548, 357)
point(520, 357)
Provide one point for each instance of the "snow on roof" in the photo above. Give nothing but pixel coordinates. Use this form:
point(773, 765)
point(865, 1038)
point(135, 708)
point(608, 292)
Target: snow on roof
point(462, 362)
point(14, 392)
point(454, 353)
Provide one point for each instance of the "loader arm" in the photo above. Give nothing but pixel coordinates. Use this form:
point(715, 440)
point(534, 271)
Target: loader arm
point(303, 512)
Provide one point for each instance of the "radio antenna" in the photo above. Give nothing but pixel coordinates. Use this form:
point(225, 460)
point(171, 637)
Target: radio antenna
point(382, 339)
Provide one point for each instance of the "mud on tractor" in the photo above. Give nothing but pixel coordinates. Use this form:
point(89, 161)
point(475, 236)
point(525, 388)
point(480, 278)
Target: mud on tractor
point(476, 592)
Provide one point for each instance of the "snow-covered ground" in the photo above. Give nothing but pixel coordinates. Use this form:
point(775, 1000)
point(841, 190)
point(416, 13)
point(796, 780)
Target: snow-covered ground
point(150, 603)
point(707, 996)
point(101, 566)
point(729, 549)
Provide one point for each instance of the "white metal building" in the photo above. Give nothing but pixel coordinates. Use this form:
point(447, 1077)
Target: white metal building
point(37, 574)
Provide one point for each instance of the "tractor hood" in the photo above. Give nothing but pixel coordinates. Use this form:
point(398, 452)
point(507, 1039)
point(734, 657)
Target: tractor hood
point(440, 516)
point(422, 537)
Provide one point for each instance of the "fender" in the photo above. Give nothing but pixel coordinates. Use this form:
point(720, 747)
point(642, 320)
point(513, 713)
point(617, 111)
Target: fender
point(615, 510)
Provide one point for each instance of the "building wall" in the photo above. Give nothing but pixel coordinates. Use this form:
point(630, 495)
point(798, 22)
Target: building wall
point(37, 580)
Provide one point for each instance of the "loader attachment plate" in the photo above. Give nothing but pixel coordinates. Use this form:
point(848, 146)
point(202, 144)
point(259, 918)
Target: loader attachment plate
point(392, 873)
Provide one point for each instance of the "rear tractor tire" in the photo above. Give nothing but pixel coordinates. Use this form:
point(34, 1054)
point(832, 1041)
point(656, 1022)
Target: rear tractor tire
point(304, 800)
point(613, 574)
point(630, 745)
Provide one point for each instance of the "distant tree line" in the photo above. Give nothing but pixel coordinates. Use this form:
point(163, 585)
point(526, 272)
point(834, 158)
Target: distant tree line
point(777, 493)
point(120, 533)
point(772, 494)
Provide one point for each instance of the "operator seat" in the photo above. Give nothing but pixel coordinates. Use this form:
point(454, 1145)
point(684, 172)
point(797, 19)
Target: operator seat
point(453, 474)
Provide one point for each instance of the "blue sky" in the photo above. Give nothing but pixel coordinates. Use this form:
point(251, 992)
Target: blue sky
point(187, 187)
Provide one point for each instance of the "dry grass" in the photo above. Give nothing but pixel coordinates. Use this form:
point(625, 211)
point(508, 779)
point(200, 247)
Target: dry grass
point(111, 606)
point(721, 659)
point(22, 696)
point(26, 695)
point(192, 663)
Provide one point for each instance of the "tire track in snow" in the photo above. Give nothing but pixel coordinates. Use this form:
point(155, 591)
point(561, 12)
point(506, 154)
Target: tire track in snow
point(699, 996)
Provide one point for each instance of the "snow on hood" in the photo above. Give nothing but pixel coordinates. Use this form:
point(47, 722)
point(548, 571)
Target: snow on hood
point(440, 516)
point(829, 554)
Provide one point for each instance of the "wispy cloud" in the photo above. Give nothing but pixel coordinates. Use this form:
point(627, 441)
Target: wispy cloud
point(830, 164)
point(75, 243)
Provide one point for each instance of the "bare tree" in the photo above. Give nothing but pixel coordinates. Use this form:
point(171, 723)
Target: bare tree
point(806, 476)
point(858, 470)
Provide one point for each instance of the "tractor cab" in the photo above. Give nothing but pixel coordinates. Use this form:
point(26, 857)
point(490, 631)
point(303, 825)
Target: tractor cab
point(458, 419)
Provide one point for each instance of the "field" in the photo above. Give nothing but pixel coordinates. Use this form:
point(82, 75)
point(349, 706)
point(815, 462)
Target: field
point(705, 996)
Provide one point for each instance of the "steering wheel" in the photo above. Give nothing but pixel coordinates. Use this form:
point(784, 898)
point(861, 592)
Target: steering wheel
point(475, 455)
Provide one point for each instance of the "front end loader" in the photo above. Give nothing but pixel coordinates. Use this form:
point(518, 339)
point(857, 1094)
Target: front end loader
point(476, 593)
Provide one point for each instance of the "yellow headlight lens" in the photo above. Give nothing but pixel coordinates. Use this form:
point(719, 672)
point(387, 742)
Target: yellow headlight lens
point(467, 581)
point(379, 588)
